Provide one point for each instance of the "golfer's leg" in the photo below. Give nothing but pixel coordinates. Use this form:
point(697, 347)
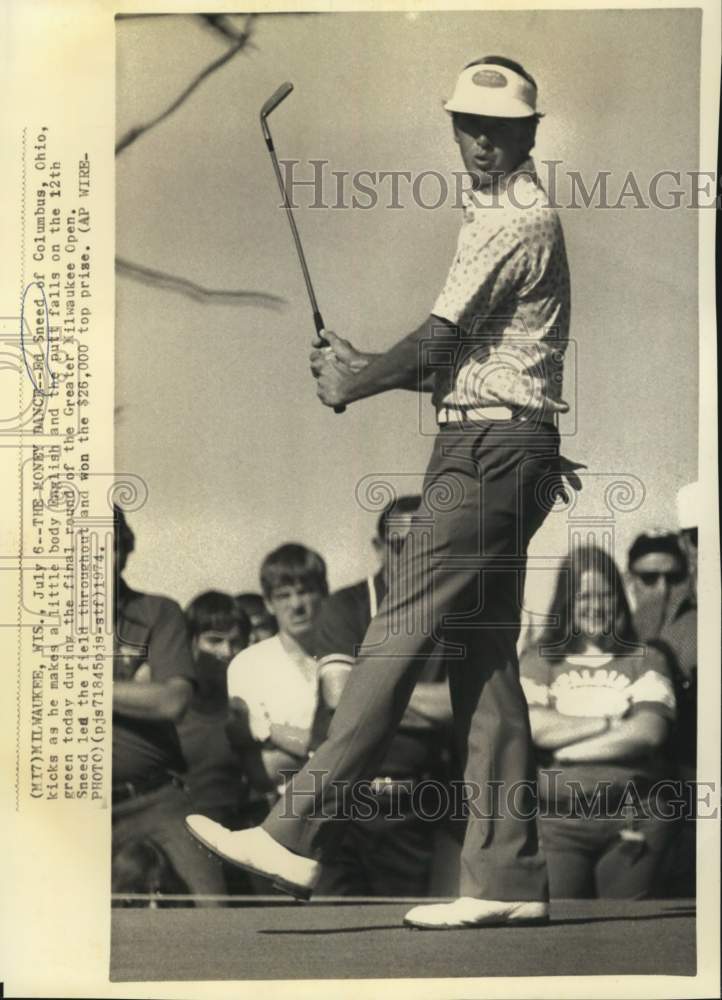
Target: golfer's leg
point(501, 858)
point(315, 808)
point(310, 817)
point(318, 802)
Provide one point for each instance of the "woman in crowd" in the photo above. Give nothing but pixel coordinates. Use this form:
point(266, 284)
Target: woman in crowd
point(600, 705)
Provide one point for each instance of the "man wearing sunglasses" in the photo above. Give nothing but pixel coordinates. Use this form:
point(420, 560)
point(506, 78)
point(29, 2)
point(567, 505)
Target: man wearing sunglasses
point(657, 570)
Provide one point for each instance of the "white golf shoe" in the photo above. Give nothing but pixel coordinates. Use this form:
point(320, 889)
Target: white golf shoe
point(470, 912)
point(257, 852)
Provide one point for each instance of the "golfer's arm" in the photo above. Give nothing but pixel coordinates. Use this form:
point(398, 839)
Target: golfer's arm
point(426, 384)
point(398, 368)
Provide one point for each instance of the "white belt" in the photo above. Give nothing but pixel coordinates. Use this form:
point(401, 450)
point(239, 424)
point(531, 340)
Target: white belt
point(462, 414)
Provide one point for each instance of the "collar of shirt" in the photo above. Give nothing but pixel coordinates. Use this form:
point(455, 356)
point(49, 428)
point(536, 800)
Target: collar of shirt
point(498, 196)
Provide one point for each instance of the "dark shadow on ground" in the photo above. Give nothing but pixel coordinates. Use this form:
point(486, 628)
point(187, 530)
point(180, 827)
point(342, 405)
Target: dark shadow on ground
point(678, 913)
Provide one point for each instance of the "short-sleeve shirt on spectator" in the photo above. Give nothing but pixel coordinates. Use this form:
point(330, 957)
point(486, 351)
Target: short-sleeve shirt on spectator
point(508, 292)
point(595, 685)
point(149, 629)
point(276, 688)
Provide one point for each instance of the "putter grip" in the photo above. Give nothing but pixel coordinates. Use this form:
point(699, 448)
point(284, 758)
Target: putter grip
point(318, 320)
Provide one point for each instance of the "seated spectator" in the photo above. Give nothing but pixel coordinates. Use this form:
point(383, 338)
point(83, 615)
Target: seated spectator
point(218, 630)
point(600, 708)
point(273, 685)
point(141, 867)
point(153, 683)
point(657, 568)
point(263, 624)
point(391, 853)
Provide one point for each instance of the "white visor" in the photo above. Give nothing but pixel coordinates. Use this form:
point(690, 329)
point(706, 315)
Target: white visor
point(494, 91)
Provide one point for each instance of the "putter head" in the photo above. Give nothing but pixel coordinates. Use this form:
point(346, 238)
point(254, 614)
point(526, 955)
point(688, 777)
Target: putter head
point(275, 99)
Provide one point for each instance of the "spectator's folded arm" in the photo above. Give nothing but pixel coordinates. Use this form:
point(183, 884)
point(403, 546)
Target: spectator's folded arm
point(551, 730)
point(292, 740)
point(629, 738)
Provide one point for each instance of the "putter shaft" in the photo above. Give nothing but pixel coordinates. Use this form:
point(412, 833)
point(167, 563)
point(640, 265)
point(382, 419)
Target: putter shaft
point(273, 101)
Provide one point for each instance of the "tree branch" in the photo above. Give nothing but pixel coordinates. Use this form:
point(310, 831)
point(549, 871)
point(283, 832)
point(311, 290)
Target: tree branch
point(199, 293)
point(240, 42)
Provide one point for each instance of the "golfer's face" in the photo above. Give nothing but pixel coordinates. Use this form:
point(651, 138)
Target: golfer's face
point(490, 147)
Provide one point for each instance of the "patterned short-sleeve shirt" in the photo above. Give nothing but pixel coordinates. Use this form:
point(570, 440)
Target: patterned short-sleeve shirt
point(508, 292)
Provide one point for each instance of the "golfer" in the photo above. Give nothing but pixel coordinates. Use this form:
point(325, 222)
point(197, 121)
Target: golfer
point(492, 353)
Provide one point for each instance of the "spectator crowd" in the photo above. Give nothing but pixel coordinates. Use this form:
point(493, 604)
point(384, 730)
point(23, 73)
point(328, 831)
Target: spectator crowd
point(217, 705)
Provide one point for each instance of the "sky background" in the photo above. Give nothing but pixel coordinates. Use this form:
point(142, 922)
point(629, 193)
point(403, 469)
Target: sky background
point(216, 408)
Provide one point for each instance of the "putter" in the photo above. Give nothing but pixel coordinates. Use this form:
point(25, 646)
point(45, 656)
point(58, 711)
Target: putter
point(271, 104)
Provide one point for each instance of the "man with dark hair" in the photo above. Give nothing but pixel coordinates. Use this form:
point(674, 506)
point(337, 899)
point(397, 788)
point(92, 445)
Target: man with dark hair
point(492, 353)
point(263, 624)
point(273, 684)
point(218, 630)
point(389, 853)
point(657, 569)
point(153, 683)
point(215, 620)
point(295, 566)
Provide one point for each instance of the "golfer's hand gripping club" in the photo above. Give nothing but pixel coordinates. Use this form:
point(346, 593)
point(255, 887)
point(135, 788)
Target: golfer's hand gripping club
point(271, 104)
